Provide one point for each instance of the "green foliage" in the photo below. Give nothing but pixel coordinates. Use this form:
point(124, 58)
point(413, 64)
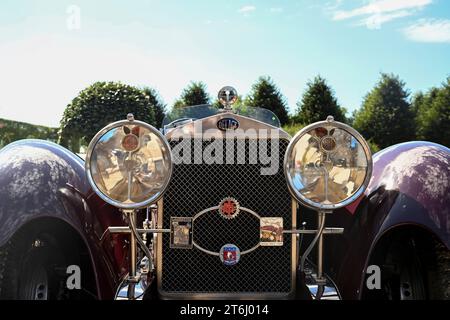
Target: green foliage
point(373, 146)
point(11, 131)
point(433, 114)
point(318, 102)
point(293, 128)
point(265, 94)
point(417, 101)
point(159, 108)
point(99, 105)
point(386, 117)
point(194, 94)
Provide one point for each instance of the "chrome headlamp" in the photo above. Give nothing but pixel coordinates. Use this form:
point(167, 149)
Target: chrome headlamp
point(327, 165)
point(129, 164)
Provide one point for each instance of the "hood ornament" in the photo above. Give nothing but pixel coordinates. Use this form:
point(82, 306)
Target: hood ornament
point(227, 96)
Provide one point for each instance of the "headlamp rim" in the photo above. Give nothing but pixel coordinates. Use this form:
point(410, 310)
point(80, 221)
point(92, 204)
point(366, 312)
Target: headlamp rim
point(91, 147)
point(327, 207)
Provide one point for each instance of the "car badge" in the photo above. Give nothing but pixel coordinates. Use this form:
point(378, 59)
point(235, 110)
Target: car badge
point(181, 229)
point(226, 124)
point(271, 231)
point(130, 142)
point(230, 254)
point(229, 208)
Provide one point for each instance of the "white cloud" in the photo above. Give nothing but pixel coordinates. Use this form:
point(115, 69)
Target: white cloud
point(429, 30)
point(276, 10)
point(375, 21)
point(247, 9)
point(380, 7)
point(333, 5)
point(377, 12)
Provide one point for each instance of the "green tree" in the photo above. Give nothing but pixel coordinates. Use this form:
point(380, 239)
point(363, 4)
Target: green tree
point(194, 94)
point(386, 117)
point(99, 105)
point(265, 94)
point(11, 131)
point(433, 114)
point(416, 102)
point(293, 128)
point(318, 102)
point(159, 108)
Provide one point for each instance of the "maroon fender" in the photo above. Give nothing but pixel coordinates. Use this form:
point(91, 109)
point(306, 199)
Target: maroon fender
point(40, 179)
point(410, 186)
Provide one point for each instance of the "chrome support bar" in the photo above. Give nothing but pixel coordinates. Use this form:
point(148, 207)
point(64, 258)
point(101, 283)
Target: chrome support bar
point(321, 226)
point(140, 231)
point(320, 278)
point(135, 239)
point(132, 274)
point(325, 231)
point(133, 254)
point(133, 246)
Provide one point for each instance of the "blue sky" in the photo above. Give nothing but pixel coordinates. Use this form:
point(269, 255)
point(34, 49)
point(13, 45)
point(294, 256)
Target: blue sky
point(47, 57)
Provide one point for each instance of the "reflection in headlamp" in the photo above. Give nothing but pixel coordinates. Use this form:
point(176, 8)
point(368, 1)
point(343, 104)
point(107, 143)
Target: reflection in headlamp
point(130, 164)
point(327, 165)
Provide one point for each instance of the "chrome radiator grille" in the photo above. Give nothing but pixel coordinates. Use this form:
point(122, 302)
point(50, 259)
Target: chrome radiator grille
point(195, 187)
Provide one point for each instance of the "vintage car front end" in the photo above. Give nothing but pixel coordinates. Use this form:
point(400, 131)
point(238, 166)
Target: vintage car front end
point(225, 186)
point(221, 203)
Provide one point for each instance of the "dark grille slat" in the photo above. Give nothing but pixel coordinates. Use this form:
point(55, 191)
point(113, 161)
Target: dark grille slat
point(195, 187)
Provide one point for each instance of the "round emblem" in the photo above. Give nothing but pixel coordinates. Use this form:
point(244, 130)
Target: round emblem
point(225, 124)
point(328, 144)
point(230, 254)
point(130, 142)
point(229, 208)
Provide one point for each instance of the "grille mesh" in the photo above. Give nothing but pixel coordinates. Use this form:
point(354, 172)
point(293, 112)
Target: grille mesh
point(195, 187)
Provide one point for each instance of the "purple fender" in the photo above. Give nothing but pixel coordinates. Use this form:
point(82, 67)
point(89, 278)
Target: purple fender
point(42, 180)
point(410, 187)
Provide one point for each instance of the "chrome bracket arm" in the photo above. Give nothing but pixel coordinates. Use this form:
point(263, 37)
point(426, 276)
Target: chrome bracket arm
point(140, 231)
point(135, 241)
point(325, 231)
point(318, 239)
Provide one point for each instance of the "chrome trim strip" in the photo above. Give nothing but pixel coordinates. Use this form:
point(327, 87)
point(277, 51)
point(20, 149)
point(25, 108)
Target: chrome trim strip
point(209, 126)
point(203, 212)
point(294, 245)
point(226, 296)
point(141, 231)
point(325, 231)
point(251, 249)
point(158, 245)
point(217, 208)
point(205, 251)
